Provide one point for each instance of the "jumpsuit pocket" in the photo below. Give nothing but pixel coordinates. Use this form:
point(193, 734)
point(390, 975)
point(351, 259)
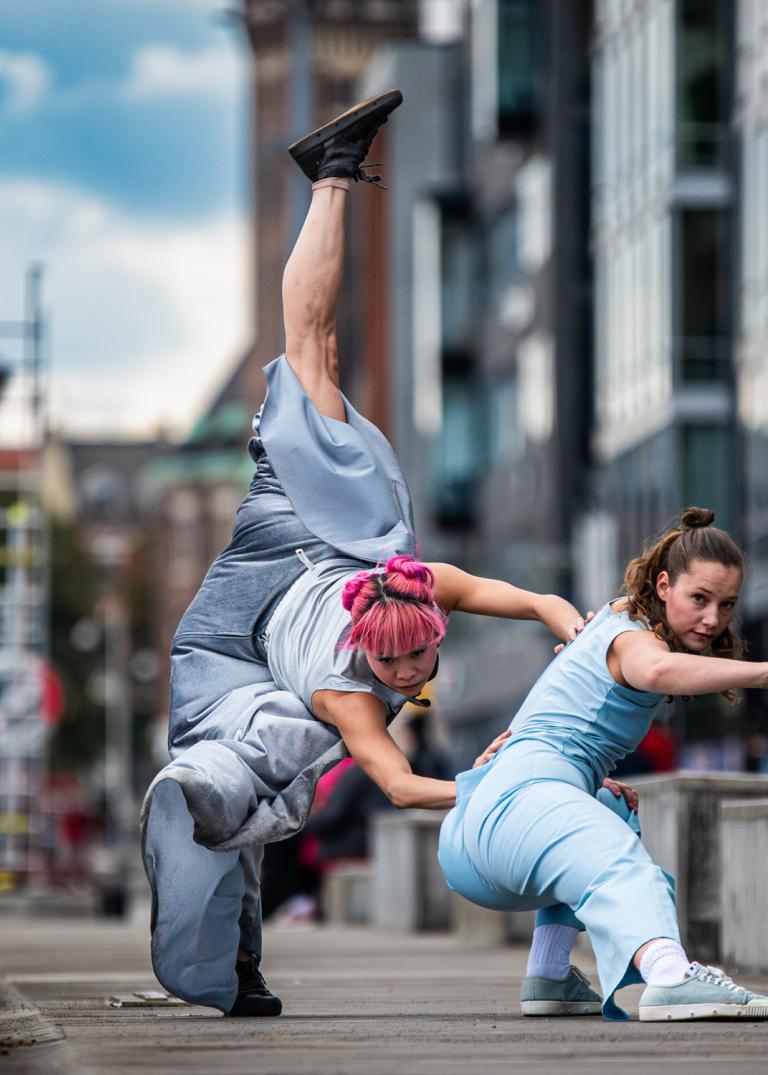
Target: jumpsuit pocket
point(468, 781)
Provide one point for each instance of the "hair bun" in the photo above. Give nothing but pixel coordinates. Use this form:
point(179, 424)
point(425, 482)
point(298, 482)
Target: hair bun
point(695, 518)
point(410, 569)
point(353, 588)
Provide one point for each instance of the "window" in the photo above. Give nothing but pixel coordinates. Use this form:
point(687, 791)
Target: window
point(460, 451)
point(460, 277)
point(517, 58)
point(709, 475)
point(704, 292)
point(703, 65)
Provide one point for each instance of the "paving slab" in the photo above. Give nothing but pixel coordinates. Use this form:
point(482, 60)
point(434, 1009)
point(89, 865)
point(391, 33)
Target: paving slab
point(356, 1002)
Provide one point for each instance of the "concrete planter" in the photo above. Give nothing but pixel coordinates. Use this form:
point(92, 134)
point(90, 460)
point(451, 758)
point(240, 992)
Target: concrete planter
point(409, 892)
point(484, 928)
point(680, 820)
point(744, 883)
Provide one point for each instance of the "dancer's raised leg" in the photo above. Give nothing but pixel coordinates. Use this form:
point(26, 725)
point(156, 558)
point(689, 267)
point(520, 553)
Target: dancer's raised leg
point(311, 285)
point(332, 158)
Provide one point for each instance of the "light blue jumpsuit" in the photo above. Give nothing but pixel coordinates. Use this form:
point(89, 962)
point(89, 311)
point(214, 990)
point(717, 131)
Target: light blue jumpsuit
point(531, 829)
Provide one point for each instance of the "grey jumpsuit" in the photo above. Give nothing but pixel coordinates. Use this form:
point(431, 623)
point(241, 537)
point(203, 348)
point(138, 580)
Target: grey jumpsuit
point(246, 755)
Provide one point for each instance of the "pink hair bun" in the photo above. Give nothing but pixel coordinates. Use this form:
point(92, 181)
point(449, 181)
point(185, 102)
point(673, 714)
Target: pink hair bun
point(393, 611)
point(411, 569)
point(353, 588)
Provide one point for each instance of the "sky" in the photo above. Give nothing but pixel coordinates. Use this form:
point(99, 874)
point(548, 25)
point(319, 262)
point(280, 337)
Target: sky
point(124, 131)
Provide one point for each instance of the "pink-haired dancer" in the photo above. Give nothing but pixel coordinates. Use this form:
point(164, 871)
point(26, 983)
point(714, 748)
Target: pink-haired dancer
point(298, 649)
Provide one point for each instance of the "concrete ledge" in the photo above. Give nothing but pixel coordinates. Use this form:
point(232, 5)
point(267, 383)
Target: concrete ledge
point(346, 893)
point(482, 927)
point(409, 892)
point(744, 883)
point(680, 820)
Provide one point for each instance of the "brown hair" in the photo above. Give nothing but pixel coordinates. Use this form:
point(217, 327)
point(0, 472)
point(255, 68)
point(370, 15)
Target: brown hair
point(693, 539)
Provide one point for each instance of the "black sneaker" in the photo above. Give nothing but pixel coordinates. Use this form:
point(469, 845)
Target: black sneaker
point(340, 147)
point(253, 996)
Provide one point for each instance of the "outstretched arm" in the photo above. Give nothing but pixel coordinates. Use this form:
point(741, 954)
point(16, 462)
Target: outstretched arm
point(361, 720)
point(647, 664)
point(458, 591)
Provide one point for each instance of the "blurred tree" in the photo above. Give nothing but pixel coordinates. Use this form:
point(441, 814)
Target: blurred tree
point(76, 649)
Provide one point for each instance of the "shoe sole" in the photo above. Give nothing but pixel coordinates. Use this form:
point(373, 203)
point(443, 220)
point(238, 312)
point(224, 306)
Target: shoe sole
point(391, 98)
point(668, 1013)
point(560, 1007)
point(262, 1010)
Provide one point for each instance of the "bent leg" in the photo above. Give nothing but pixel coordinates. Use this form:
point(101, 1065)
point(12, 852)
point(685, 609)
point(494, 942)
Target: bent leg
point(552, 839)
point(559, 914)
point(197, 897)
point(202, 907)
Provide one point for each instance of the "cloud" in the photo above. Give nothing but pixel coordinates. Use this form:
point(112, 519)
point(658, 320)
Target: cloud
point(27, 79)
point(162, 70)
point(146, 317)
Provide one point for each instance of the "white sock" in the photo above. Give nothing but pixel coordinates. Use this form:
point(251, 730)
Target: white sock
point(664, 962)
point(550, 955)
point(334, 181)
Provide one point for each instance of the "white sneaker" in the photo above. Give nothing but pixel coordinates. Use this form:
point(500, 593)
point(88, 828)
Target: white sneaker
point(704, 993)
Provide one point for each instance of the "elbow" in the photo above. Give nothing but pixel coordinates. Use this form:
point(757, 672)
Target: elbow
point(398, 794)
point(399, 800)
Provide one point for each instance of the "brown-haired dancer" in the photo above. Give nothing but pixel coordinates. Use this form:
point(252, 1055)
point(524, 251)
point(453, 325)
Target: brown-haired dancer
point(528, 830)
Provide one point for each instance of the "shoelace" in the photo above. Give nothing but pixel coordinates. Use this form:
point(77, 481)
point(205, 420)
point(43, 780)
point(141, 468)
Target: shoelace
point(717, 976)
point(578, 974)
point(359, 174)
point(250, 977)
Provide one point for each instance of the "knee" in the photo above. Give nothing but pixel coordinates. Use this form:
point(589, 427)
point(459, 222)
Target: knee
point(218, 793)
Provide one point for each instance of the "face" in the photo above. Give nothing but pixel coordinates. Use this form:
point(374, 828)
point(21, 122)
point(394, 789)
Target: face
point(406, 673)
point(700, 603)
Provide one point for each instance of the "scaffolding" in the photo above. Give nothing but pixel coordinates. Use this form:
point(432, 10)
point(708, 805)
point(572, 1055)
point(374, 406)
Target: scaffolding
point(24, 592)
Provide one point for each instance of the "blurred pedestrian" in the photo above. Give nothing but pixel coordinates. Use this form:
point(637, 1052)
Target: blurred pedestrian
point(298, 648)
point(534, 829)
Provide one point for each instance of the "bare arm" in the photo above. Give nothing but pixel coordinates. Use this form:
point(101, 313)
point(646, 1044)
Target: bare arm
point(361, 720)
point(647, 664)
point(458, 591)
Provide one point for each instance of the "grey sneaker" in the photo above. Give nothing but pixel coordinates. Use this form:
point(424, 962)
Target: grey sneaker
point(571, 996)
point(704, 993)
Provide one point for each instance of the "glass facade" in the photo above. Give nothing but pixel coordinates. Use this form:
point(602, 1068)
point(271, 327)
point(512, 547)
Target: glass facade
point(662, 240)
point(703, 91)
point(517, 64)
point(459, 450)
point(632, 165)
point(703, 330)
point(752, 277)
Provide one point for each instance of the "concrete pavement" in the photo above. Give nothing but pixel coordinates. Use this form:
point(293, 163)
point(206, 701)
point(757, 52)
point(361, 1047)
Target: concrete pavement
point(356, 1002)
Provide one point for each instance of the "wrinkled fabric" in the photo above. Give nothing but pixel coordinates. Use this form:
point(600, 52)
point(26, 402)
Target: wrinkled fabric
point(532, 829)
point(246, 755)
point(368, 515)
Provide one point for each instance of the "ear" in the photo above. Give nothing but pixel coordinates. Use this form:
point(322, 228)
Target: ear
point(663, 585)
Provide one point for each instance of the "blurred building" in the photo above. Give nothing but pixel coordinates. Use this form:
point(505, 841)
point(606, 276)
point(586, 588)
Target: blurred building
point(479, 273)
point(663, 205)
point(101, 509)
point(556, 260)
point(751, 296)
point(29, 691)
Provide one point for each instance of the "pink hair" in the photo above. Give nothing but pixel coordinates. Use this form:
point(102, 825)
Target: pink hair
point(393, 611)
